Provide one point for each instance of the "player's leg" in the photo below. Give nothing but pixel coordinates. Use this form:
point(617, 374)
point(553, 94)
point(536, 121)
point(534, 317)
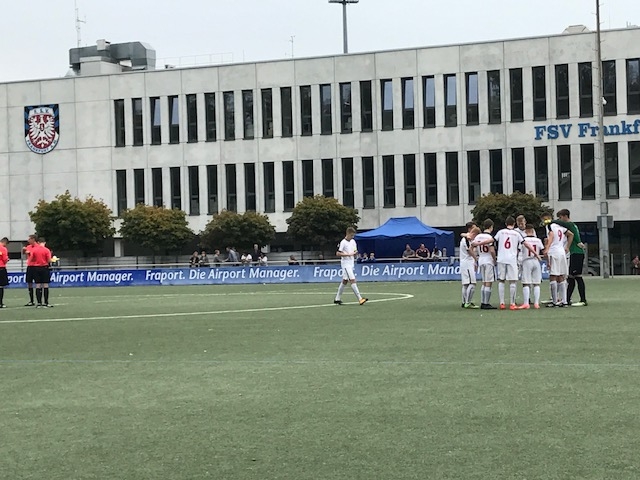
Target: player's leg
point(471, 288)
point(511, 276)
point(575, 269)
point(356, 291)
point(502, 272)
point(343, 283)
point(29, 280)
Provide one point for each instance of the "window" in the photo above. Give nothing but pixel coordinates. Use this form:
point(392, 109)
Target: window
point(156, 121)
point(327, 177)
point(121, 190)
point(453, 194)
point(229, 116)
point(495, 170)
point(269, 187)
point(232, 187)
point(410, 189)
point(585, 88)
point(386, 87)
point(634, 169)
point(347, 182)
point(515, 88)
point(633, 86)
point(539, 93)
point(494, 94)
point(288, 184)
point(194, 190)
point(192, 118)
point(176, 190)
point(346, 122)
point(472, 98)
point(325, 110)
point(305, 111)
point(473, 174)
point(431, 178)
point(562, 91)
point(286, 108)
point(609, 87)
point(429, 93)
point(542, 173)
point(389, 180)
point(267, 113)
point(611, 162)
point(156, 185)
point(118, 106)
point(174, 119)
point(210, 116)
point(138, 186)
point(564, 172)
point(307, 178)
point(450, 101)
point(250, 187)
point(407, 103)
point(366, 106)
point(517, 167)
point(138, 126)
point(368, 183)
point(588, 171)
point(212, 189)
point(247, 114)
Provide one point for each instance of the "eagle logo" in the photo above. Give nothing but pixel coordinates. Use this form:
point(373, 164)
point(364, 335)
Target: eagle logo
point(42, 128)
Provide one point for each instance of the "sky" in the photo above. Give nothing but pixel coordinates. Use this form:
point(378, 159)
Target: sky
point(37, 35)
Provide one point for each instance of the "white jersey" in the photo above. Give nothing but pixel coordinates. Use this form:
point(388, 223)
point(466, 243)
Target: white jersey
point(465, 256)
point(349, 247)
point(523, 251)
point(508, 241)
point(559, 239)
point(484, 254)
point(536, 244)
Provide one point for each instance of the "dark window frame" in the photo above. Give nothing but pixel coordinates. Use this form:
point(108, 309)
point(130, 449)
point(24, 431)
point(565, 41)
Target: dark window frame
point(386, 93)
point(473, 108)
point(119, 123)
point(307, 178)
point(410, 180)
point(121, 191)
point(157, 187)
point(346, 113)
point(250, 193)
point(368, 183)
point(494, 95)
point(192, 118)
point(609, 81)
point(139, 192)
point(496, 177)
point(453, 182)
point(306, 111)
point(429, 98)
point(286, 111)
point(210, 117)
point(248, 117)
point(450, 109)
point(539, 92)
point(563, 104)
point(229, 110)
point(563, 153)
point(541, 165)
point(288, 185)
point(213, 206)
point(518, 170)
point(194, 190)
point(155, 110)
point(173, 102)
point(266, 97)
point(585, 89)
point(389, 181)
point(366, 106)
point(588, 171)
point(326, 114)
point(516, 95)
point(431, 179)
point(175, 183)
point(137, 118)
point(328, 189)
point(269, 181)
point(633, 85)
point(474, 179)
point(231, 183)
point(348, 183)
point(408, 103)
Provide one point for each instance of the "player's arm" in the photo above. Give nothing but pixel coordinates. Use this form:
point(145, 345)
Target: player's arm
point(570, 236)
point(478, 243)
point(532, 249)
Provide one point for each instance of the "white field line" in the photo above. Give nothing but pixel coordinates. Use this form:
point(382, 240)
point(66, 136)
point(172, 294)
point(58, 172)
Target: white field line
point(121, 298)
point(398, 296)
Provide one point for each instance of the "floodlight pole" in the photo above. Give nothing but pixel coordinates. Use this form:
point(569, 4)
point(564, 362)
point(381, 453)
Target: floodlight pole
point(603, 218)
point(344, 3)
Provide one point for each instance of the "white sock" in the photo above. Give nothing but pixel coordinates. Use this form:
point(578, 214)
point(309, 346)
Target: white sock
point(501, 292)
point(464, 293)
point(487, 292)
point(536, 294)
point(553, 285)
point(525, 294)
point(562, 292)
point(340, 290)
point(354, 287)
point(512, 293)
point(471, 289)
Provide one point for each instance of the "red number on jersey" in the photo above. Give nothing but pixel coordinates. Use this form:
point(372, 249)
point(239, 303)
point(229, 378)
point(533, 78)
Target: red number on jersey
point(507, 243)
point(535, 250)
point(484, 248)
point(559, 235)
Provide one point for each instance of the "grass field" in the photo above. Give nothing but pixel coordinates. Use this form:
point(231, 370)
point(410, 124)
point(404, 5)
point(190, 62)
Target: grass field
point(275, 382)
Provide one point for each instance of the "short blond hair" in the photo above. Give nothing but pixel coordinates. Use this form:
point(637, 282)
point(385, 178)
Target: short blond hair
point(351, 231)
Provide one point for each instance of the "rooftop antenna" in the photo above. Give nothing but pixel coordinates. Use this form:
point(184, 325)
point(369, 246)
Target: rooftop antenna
point(79, 23)
point(292, 40)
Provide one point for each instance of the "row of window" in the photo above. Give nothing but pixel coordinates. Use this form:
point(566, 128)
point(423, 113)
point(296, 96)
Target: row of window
point(494, 104)
point(368, 179)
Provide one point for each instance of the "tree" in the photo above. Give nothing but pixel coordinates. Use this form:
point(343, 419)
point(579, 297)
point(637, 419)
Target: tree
point(230, 229)
point(157, 228)
point(320, 221)
point(72, 224)
point(498, 207)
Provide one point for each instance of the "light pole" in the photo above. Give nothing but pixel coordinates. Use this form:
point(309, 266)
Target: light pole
point(344, 21)
point(604, 219)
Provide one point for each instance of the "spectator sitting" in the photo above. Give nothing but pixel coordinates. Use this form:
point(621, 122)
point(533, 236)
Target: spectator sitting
point(262, 260)
point(293, 261)
point(204, 260)
point(255, 254)
point(194, 260)
point(372, 258)
point(363, 258)
point(408, 253)
point(436, 255)
point(422, 252)
point(321, 260)
point(635, 265)
point(246, 259)
point(216, 258)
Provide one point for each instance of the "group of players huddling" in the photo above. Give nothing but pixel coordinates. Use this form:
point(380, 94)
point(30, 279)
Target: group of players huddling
point(514, 253)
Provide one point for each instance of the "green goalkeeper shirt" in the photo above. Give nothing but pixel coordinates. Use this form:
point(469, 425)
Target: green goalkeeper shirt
point(574, 248)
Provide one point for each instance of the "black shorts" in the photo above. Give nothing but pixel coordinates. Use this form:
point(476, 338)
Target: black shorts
point(41, 274)
point(576, 263)
point(29, 276)
point(4, 277)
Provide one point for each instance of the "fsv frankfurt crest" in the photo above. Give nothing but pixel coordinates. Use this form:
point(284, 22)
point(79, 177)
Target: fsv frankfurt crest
point(42, 128)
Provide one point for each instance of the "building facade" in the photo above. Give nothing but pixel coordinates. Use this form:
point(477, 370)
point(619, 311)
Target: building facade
point(421, 132)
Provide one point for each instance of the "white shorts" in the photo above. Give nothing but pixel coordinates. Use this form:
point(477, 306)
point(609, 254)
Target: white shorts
point(558, 264)
point(531, 272)
point(467, 273)
point(508, 271)
point(487, 272)
point(348, 273)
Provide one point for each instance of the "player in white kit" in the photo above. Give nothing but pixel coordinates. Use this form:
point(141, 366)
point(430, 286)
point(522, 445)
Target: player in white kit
point(347, 251)
point(531, 270)
point(468, 264)
point(556, 247)
point(486, 263)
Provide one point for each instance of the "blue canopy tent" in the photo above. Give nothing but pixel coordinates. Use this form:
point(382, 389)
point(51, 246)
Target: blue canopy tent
point(389, 240)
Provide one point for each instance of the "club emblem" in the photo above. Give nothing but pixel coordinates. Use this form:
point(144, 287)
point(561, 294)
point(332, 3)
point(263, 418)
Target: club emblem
point(42, 128)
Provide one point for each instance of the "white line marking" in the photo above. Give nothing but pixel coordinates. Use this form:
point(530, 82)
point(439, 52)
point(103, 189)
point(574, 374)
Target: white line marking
point(399, 296)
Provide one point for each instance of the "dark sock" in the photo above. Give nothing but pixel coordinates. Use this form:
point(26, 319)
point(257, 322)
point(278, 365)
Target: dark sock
point(39, 295)
point(46, 295)
point(571, 285)
point(1, 295)
point(581, 290)
point(31, 294)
